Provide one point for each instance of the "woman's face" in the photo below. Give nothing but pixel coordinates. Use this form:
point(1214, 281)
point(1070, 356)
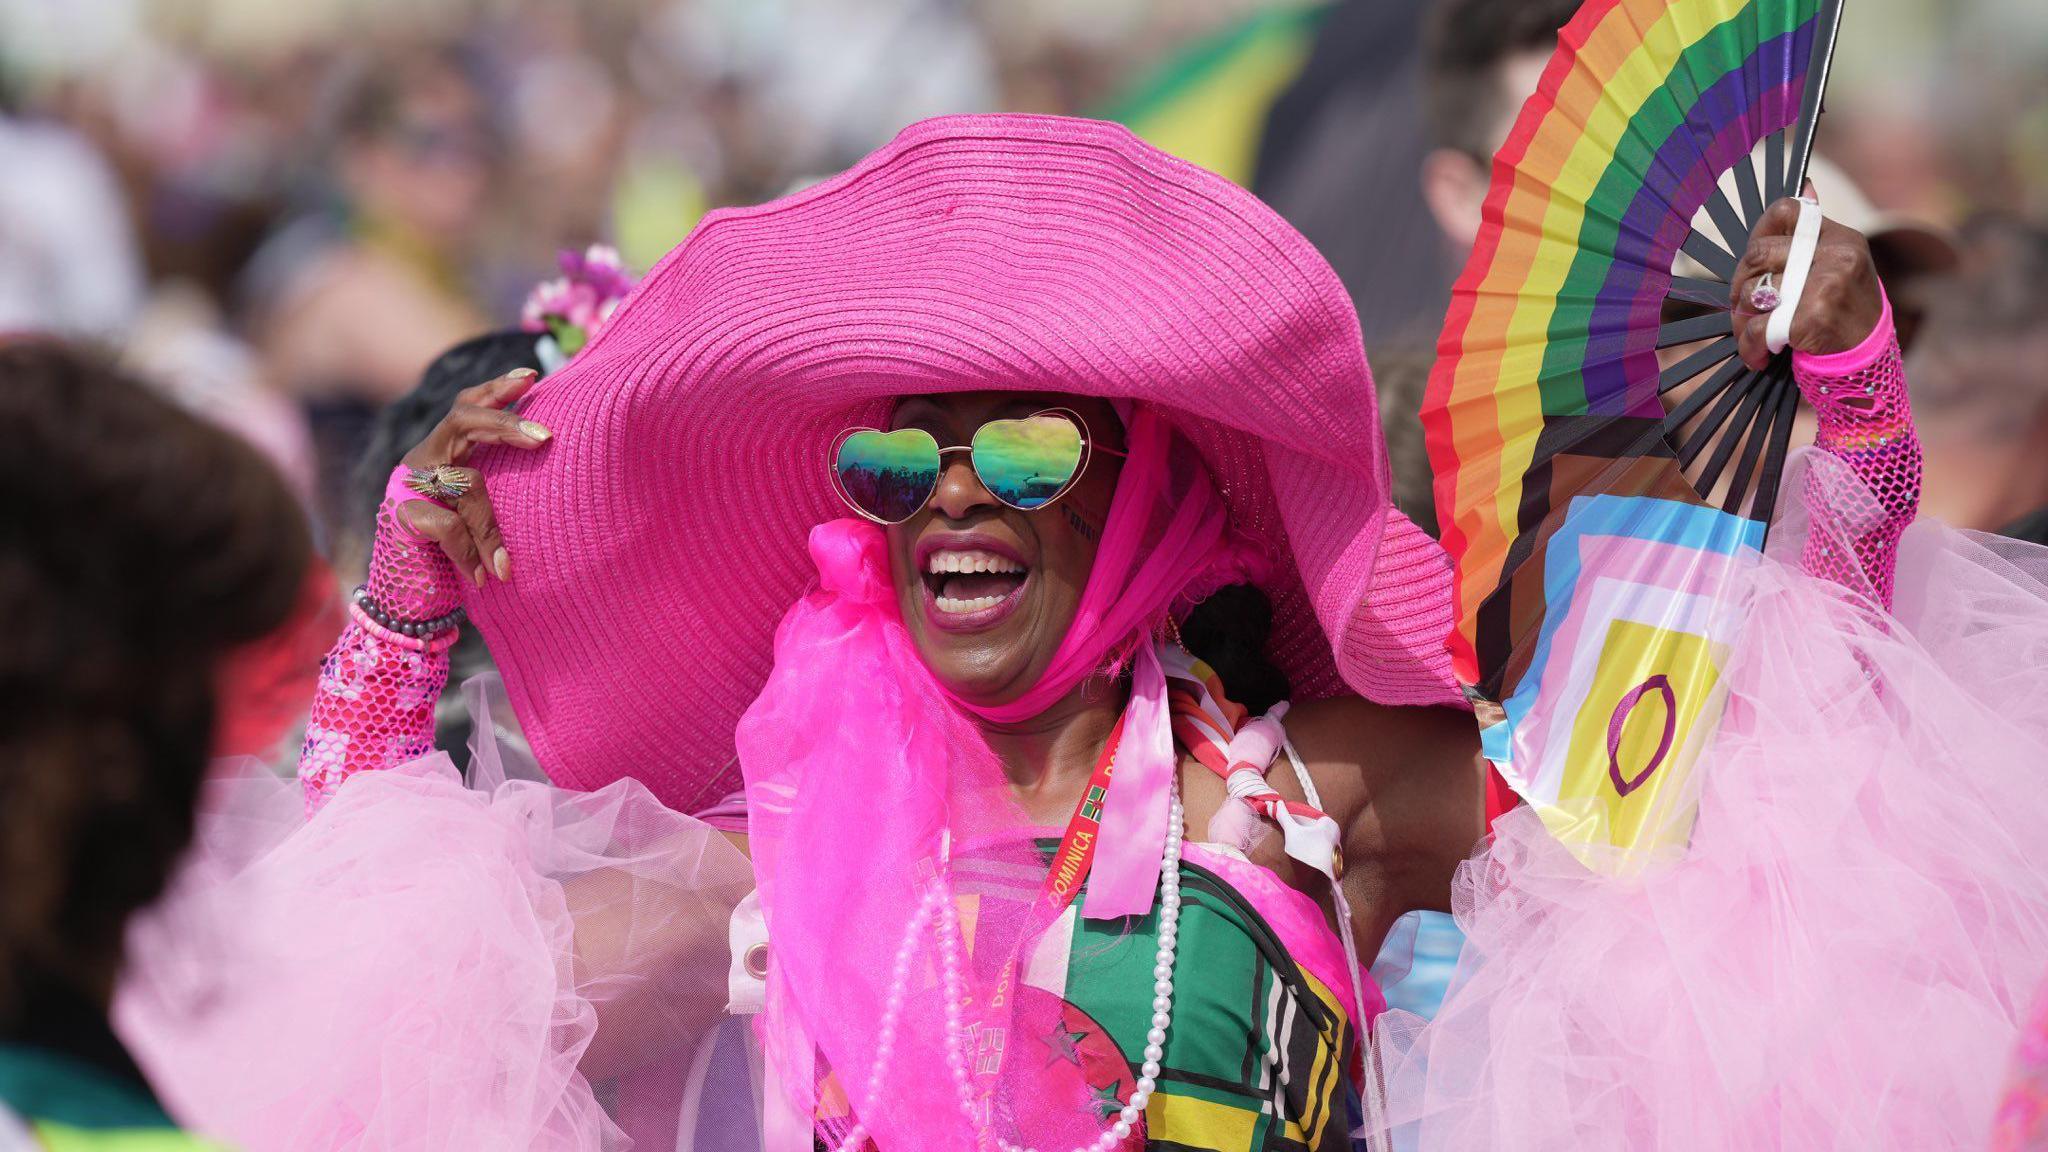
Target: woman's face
point(988, 592)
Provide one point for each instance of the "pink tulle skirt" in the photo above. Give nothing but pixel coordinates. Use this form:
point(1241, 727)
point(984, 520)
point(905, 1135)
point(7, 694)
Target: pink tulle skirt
point(1845, 955)
point(432, 964)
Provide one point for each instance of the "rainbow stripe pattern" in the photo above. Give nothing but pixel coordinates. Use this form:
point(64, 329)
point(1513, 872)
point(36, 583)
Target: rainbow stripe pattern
point(1587, 563)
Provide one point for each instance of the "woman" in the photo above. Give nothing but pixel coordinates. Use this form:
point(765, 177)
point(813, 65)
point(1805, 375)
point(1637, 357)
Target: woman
point(1012, 839)
point(1310, 460)
point(113, 690)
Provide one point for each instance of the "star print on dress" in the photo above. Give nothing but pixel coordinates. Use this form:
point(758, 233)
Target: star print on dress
point(1063, 1044)
point(1103, 1100)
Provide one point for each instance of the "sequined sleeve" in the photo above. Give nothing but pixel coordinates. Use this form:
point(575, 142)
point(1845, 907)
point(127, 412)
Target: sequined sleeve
point(374, 707)
point(1866, 421)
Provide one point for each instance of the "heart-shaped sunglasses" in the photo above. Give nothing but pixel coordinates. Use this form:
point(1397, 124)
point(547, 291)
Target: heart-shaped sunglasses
point(1026, 463)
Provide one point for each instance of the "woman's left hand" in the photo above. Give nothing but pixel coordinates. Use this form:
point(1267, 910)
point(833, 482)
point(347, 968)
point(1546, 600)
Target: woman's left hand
point(1841, 302)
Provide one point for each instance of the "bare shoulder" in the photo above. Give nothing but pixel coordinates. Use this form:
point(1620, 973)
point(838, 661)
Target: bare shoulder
point(1356, 749)
point(1408, 787)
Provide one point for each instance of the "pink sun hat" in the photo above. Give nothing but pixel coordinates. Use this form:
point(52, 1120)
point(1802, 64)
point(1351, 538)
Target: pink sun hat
point(661, 535)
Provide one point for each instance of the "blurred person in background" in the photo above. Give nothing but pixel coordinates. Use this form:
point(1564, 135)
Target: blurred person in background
point(1984, 403)
point(1479, 60)
point(1339, 159)
point(1482, 58)
point(70, 265)
point(68, 259)
point(111, 687)
point(349, 303)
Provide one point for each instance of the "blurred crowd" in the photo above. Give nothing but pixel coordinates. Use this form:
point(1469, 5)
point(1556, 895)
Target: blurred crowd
point(283, 212)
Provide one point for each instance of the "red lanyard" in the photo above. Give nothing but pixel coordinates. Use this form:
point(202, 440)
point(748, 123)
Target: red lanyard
point(1077, 848)
point(1070, 866)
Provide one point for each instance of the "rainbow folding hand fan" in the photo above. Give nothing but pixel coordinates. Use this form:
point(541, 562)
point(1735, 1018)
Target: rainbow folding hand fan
point(1603, 458)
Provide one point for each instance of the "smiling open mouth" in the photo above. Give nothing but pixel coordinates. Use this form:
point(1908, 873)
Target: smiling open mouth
point(971, 581)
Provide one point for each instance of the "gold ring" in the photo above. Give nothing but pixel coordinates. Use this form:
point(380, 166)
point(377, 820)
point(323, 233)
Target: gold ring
point(443, 483)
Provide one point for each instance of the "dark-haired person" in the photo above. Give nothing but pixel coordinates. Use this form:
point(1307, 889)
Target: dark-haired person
point(1481, 58)
point(1009, 514)
point(145, 557)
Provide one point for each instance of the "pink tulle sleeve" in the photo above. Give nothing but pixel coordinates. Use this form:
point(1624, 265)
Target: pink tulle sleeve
point(374, 708)
point(1866, 421)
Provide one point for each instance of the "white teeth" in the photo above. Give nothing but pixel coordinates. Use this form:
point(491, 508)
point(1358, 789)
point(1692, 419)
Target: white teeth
point(955, 607)
point(975, 560)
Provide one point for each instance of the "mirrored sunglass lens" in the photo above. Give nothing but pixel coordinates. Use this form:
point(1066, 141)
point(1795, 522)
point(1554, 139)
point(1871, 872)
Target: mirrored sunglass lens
point(1025, 463)
point(890, 475)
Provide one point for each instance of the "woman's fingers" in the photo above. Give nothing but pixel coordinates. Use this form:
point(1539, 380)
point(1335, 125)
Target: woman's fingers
point(474, 506)
point(474, 424)
point(1769, 244)
point(481, 415)
point(469, 425)
point(1764, 254)
point(468, 532)
point(1779, 219)
point(448, 529)
point(1841, 301)
point(1750, 338)
point(503, 392)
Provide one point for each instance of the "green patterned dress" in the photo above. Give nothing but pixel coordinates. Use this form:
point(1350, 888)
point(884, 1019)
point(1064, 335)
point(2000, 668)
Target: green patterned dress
point(1262, 1042)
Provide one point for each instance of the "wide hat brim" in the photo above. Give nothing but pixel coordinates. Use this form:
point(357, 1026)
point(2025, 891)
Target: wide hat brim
point(661, 535)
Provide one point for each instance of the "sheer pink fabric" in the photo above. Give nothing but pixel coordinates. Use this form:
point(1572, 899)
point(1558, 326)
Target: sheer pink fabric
point(856, 764)
point(2022, 1124)
point(429, 964)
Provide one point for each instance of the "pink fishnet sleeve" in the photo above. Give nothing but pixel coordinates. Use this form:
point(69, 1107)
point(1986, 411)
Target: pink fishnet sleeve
point(1866, 421)
point(374, 708)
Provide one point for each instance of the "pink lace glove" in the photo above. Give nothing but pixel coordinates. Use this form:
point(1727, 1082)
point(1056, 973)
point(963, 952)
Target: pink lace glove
point(374, 708)
point(1866, 421)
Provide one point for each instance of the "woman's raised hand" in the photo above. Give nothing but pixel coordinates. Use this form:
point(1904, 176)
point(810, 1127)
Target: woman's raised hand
point(468, 532)
point(1841, 303)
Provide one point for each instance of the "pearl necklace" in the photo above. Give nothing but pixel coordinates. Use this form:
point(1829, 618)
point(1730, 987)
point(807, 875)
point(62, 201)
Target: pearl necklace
point(939, 900)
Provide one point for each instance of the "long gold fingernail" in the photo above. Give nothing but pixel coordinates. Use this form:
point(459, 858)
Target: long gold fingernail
point(535, 430)
point(502, 561)
point(478, 576)
point(521, 374)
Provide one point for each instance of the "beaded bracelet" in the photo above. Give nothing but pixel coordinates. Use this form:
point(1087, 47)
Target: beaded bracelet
point(420, 629)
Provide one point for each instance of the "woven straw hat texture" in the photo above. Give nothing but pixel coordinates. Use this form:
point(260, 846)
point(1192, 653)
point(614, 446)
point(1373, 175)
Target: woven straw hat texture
point(662, 534)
